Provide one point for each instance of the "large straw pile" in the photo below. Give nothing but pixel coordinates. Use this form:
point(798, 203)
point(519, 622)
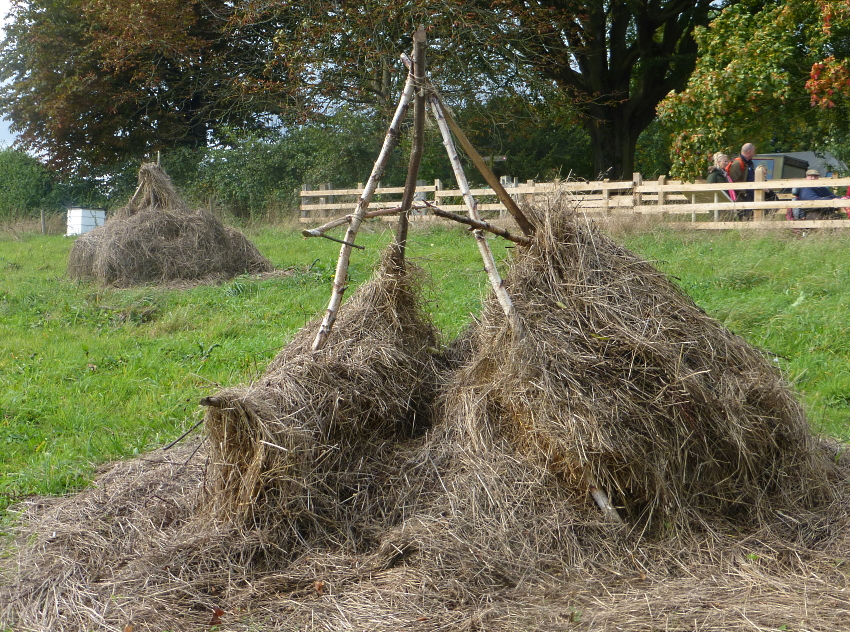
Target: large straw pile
point(156, 238)
point(620, 379)
point(301, 452)
point(323, 505)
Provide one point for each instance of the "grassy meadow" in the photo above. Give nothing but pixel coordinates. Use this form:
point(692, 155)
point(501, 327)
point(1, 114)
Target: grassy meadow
point(91, 374)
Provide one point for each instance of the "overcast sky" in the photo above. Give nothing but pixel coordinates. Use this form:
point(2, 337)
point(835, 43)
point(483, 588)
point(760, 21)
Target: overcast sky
point(5, 137)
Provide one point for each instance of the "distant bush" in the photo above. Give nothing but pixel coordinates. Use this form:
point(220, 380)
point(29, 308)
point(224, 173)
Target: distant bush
point(26, 185)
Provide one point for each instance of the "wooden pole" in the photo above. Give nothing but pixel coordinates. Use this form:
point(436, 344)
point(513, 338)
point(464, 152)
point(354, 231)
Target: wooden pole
point(321, 230)
point(483, 247)
point(520, 218)
point(418, 72)
point(761, 176)
point(339, 285)
point(482, 225)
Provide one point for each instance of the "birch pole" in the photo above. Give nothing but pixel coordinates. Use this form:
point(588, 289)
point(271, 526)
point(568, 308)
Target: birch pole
point(483, 247)
point(504, 197)
point(418, 71)
point(339, 285)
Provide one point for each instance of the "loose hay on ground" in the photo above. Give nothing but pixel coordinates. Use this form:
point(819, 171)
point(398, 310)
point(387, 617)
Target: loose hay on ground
point(322, 506)
point(157, 238)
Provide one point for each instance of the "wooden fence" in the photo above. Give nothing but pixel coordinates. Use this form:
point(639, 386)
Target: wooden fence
point(701, 205)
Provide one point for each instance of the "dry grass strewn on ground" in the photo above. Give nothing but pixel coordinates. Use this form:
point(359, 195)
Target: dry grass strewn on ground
point(330, 500)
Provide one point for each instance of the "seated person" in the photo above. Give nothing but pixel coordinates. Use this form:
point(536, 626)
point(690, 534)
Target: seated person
point(814, 193)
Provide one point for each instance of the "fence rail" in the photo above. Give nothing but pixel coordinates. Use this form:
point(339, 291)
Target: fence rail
point(704, 205)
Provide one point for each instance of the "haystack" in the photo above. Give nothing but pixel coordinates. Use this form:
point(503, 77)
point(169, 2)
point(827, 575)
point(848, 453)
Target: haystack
point(300, 451)
point(157, 238)
point(620, 381)
point(377, 485)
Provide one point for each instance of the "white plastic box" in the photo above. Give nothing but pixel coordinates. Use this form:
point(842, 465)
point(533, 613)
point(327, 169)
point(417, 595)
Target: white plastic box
point(82, 220)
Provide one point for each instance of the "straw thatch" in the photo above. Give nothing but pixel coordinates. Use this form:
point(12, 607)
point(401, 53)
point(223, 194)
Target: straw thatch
point(299, 451)
point(375, 485)
point(621, 379)
point(157, 238)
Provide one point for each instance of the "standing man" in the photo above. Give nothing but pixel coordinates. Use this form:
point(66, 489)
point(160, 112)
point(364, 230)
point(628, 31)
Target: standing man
point(742, 169)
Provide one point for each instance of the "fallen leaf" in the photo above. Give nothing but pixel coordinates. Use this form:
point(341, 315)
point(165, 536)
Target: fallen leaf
point(319, 586)
point(128, 627)
point(92, 367)
point(216, 618)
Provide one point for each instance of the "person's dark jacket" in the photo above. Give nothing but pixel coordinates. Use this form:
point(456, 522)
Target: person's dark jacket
point(817, 193)
point(716, 175)
point(743, 170)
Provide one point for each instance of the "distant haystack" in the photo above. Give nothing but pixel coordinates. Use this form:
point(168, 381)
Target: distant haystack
point(156, 238)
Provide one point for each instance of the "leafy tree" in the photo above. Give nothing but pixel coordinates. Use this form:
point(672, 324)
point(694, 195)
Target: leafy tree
point(614, 59)
point(94, 82)
point(652, 156)
point(540, 139)
point(26, 185)
point(767, 74)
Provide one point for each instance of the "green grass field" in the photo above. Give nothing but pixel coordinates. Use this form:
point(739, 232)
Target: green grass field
point(91, 374)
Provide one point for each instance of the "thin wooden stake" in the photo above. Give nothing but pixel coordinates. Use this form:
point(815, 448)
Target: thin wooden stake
point(604, 504)
point(320, 230)
point(339, 285)
point(416, 147)
point(481, 225)
point(483, 247)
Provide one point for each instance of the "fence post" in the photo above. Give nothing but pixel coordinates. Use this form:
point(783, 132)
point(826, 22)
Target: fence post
point(508, 182)
point(305, 212)
point(761, 176)
point(325, 186)
point(419, 196)
point(637, 180)
point(529, 197)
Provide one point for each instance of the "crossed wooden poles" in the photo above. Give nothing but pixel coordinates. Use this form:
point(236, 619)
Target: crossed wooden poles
point(419, 89)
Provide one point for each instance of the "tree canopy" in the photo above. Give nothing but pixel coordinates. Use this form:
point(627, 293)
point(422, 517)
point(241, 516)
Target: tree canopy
point(615, 60)
point(775, 74)
point(92, 81)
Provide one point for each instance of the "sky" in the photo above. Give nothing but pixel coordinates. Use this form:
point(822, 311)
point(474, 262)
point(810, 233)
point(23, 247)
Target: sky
point(6, 137)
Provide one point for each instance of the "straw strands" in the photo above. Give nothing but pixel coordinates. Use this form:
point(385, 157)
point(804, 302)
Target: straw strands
point(379, 485)
point(300, 451)
point(622, 380)
point(156, 238)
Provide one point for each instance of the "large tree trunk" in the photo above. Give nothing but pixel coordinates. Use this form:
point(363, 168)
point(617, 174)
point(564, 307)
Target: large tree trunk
point(614, 130)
